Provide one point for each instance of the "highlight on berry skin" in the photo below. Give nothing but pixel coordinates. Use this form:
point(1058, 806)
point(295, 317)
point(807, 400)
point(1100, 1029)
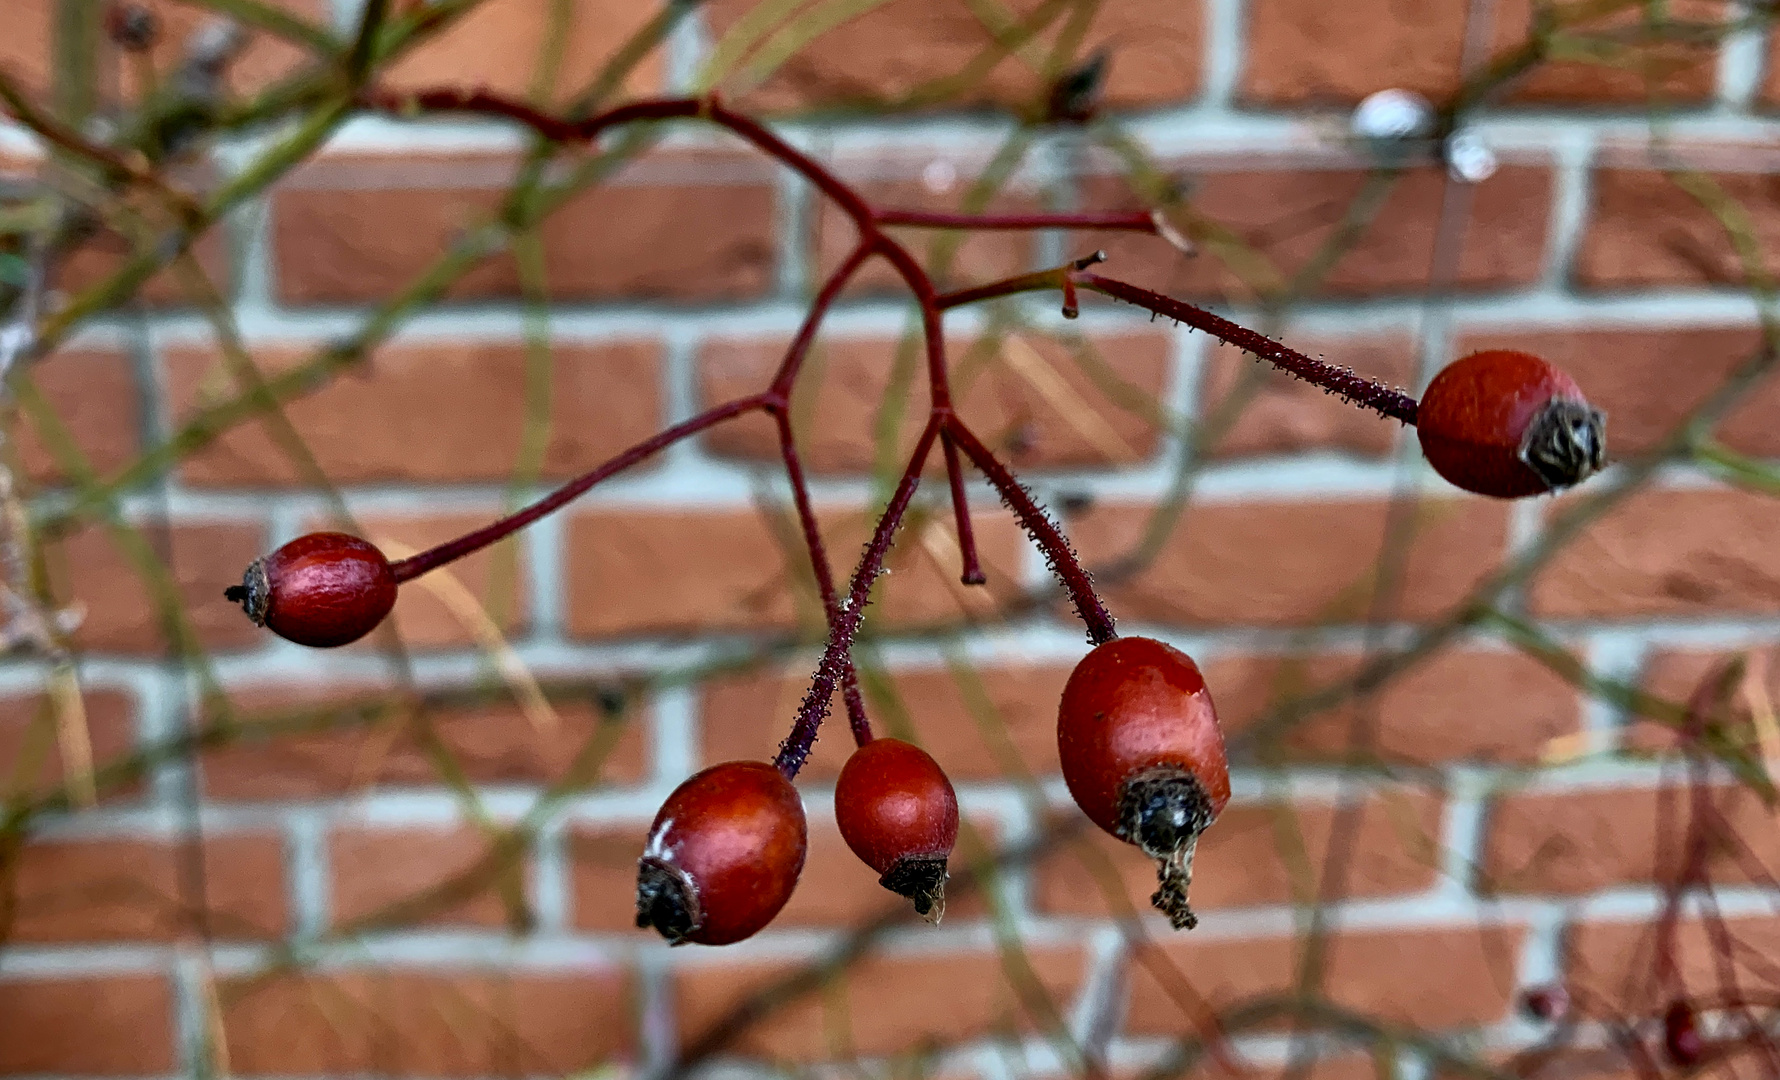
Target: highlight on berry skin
point(723, 855)
point(1143, 756)
point(323, 590)
point(897, 811)
point(1508, 424)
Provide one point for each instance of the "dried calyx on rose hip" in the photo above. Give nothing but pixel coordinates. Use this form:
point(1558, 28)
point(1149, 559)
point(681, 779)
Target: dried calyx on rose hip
point(1508, 424)
point(1681, 1035)
point(723, 855)
point(897, 811)
point(322, 590)
point(1143, 755)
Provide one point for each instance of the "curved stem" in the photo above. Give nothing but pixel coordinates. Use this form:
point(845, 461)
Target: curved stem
point(1127, 221)
point(1059, 556)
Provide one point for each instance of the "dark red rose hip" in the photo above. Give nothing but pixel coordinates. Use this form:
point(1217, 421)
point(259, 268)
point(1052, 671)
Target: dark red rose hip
point(1143, 755)
point(1508, 424)
point(723, 855)
point(322, 590)
point(897, 811)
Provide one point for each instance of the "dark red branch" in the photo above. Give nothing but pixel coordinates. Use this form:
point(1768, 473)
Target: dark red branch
point(967, 543)
point(1127, 221)
point(1059, 556)
point(1354, 387)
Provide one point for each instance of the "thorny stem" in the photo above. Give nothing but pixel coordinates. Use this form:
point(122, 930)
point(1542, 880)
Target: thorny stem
point(1355, 388)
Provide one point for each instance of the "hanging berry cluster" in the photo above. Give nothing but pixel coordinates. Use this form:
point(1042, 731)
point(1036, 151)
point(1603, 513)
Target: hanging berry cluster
point(1139, 740)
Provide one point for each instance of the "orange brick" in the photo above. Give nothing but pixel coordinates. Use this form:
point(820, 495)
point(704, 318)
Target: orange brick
point(1035, 401)
point(603, 868)
point(1302, 54)
point(130, 890)
point(26, 50)
point(742, 716)
point(1621, 250)
point(114, 1025)
point(1280, 213)
point(1634, 376)
point(1270, 412)
point(1429, 978)
point(500, 46)
point(1460, 705)
point(1580, 841)
point(968, 257)
point(1615, 962)
point(95, 398)
point(882, 1004)
point(1667, 553)
point(494, 576)
point(435, 1023)
point(491, 743)
point(98, 258)
point(678, 572)
point(1254, 855)
point(356, 228)
point(434, 412)
point(905, 46)
point(30, 755)
point(1290, 563)
point(122, 615)
point(424, 876)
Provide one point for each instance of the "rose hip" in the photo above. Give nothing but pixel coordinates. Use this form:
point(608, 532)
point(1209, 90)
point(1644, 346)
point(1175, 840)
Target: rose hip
point(897, 811)
point(1508, 424)
point(322, 590)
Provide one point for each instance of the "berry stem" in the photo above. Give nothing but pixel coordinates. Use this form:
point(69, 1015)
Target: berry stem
point(967, 544)
point(1386, 401)
point(1044, 532)
point(796, 747)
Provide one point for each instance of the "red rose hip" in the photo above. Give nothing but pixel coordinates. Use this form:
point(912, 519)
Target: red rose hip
point(323, 589)
point(723, 855)
point(1508, 424)
point(897, 811)
point(1143, 755)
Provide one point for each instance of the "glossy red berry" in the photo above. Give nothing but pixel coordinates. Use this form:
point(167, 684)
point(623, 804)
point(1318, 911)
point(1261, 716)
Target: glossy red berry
point(899, 814)
point(1508, 424)
point(1681, 1035)
point(1143, 755)
point(323, 589)
point(723, 855)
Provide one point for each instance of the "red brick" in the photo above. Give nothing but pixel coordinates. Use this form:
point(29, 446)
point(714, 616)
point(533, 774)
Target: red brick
point(495, 576)
point(424, 876)
point(122, 614)
point(26, 49)
point(1615, 962)
point(1303, 54)
point(1289, 562)
point(115, 1025)
point(907, 45)
point(1279, 213)
point(266, 58)
point(1255, 855)
point(970, 257)
point(1579, 841)
point(603, 874)
point(1034, 401)
point(30, 755)
point(1278, 414)
point(684, 571)
point(434, 1023)
point(742, 715)
point(95, 397)
point(1700, 553)
point(1648, 381)
point(883, 1004)
point(1460, 705)
point(97, 259)
point(424, 412)
point(356, 228)
point(489, 744)
point(1644, 230)
point(500, 45)
point(131, 890)
point(1770, 84)
point(1427, 978)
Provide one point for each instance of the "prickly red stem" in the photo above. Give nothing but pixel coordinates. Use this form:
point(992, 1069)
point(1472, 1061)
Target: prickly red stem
point(1059, 556)
point(967, 543)
point(1352, 386)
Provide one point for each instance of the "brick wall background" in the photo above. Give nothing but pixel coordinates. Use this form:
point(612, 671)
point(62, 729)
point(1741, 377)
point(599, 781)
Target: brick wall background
point(325, 883)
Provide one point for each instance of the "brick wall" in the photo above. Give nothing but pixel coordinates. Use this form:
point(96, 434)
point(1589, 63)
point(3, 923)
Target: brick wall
point(331, 887)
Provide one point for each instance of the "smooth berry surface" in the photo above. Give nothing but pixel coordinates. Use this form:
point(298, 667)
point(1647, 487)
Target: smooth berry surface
point(322, 590)
point(1476, 418)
